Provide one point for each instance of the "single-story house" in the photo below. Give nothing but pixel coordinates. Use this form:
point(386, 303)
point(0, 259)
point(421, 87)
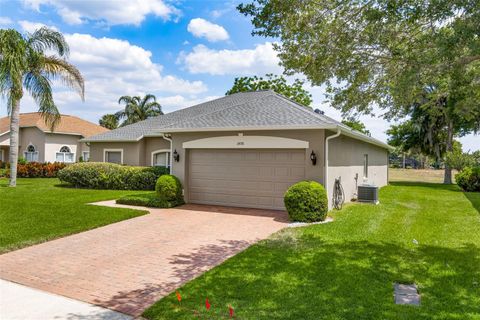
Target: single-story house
point(246, 149)
point(38, 143)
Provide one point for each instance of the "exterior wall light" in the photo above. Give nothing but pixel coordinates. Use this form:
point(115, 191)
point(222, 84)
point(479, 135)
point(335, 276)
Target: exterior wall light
point(313, 157)
point(176, 156)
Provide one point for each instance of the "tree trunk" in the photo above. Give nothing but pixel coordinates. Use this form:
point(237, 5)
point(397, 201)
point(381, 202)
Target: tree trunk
point(403, 162)
point(447, 179)
point(14, 128)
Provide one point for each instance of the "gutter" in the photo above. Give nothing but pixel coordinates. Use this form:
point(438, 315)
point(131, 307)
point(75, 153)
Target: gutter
point(171, 151)
point(339, 132)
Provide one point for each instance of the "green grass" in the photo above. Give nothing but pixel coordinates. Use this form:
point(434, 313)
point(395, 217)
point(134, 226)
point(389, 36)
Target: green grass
point(346, 269)
point(38, 210)
point(145, 200)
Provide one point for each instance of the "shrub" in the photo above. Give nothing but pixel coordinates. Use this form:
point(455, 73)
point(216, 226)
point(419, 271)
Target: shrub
point(3, 173)
point(99, 175)
point(37, 170)
point(169, 188)
point(469, 179)
point(306, 201)
point(145, 200)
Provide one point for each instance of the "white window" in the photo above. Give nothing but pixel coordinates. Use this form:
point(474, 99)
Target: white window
point(65, 155)
point(86, 155)
point(113, 156)
point(2, 152)
point(365, 165)
point(161, 158)
point(31, 154)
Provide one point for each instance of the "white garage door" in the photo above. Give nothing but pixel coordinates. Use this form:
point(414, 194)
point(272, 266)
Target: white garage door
point(243, 178)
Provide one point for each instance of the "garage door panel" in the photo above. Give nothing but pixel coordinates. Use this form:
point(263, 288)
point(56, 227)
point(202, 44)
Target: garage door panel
point(249, 178)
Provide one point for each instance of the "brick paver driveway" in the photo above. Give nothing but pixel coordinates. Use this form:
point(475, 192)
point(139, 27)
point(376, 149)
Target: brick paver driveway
point(128, 265)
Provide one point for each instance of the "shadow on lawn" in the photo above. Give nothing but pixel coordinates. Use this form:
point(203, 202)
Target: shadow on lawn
point(309, 279)
point(474, 198)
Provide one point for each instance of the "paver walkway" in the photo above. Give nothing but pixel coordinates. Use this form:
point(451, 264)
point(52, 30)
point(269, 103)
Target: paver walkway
point(127, 266)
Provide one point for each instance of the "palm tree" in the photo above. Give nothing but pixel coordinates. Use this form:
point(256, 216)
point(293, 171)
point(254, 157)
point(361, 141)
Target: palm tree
point(25, 65)
point(109, 121)
point(138, 109)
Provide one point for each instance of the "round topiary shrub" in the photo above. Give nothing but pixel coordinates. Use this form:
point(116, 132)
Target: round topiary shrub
point(306, 201)
point(169, 188)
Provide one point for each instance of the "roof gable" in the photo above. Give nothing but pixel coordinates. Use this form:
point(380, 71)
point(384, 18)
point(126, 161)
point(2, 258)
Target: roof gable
point(67, 125)
point(258, 110)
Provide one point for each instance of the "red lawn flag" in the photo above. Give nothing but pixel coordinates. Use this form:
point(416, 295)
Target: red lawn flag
point(230, 310)
point(207, 304)
point(179, 297)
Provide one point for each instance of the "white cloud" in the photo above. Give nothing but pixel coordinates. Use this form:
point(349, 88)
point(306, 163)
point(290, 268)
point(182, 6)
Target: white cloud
point(260, 60)
point(172, 103)
point(29, 26)
point(112, 68)
point(202, 28)
point(112, 12)
point(4, 21)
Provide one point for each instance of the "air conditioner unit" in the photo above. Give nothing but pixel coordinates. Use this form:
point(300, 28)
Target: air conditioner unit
point(368, 193)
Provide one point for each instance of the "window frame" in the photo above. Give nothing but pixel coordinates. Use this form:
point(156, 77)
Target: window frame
point(365, 165)
point(35, 154)
point(169, 157)
point(60, 152)
point(86, 159)
point(112, 150)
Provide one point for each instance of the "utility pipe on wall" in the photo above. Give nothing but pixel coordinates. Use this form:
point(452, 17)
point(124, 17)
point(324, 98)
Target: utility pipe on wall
point(326, 157)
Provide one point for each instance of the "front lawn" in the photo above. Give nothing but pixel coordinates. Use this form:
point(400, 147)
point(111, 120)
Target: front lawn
point(38, 210)
point(423, 233)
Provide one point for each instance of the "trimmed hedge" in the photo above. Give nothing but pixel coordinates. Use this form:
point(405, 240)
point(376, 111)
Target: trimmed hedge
point(144, 200)
point(469, 179)
point(306, 201)
point(34, 169)
point(168, 194)
point(99, 175)
point(169, 189)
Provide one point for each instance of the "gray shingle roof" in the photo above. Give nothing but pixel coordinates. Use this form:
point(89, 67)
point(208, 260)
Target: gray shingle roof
point(245, 110)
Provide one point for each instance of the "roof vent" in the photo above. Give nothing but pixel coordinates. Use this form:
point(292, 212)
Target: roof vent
point(319, 111)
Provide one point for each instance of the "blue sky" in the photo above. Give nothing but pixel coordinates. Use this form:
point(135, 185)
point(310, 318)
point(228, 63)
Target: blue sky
point(184, 52)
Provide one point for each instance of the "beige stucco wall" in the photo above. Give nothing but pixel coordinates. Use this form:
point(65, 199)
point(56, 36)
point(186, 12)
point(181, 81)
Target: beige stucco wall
point(55, 141)
point(346, 160)
point(314, 137)
point(153, 145)
point(345, 155)
point(132, 151)
point(35, 137)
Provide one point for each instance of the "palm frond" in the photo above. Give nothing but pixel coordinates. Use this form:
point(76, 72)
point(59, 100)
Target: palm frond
point(40, 88)
point(125, 99)
point(47, 39)
point(56, 68)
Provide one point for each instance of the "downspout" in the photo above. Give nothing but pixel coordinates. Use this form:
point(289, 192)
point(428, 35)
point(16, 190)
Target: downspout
point(326, 157)
point(171, 151)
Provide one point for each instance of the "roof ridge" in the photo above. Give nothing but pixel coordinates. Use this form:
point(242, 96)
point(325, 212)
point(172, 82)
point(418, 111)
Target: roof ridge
point(306, 109)
point(212, 112)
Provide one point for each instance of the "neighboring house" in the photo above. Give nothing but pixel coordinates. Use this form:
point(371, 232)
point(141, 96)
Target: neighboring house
point(38, 143)
point(246, 149)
